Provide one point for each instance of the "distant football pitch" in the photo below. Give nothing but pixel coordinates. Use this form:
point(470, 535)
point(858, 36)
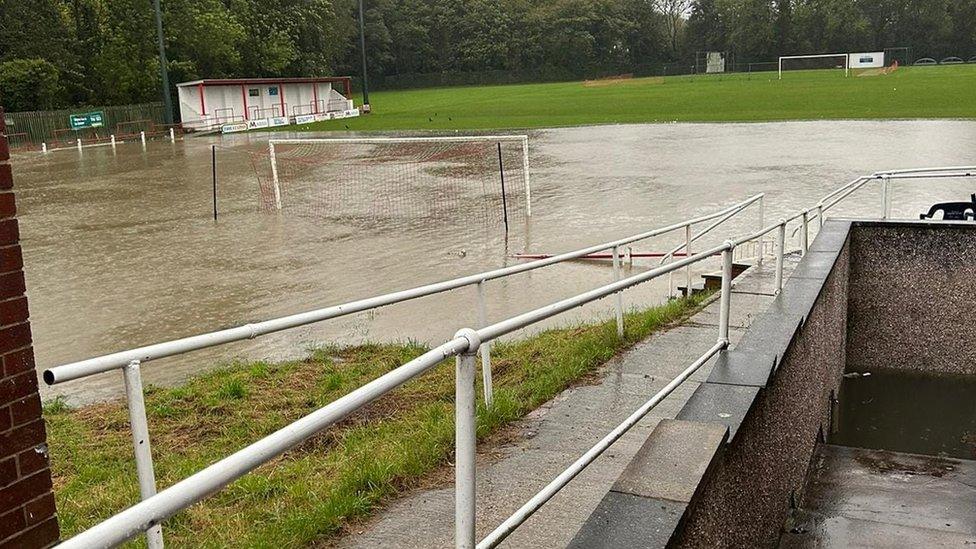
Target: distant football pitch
point(910, 92)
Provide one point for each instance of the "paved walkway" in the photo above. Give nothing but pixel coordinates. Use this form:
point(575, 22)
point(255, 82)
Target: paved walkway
point(556, 434)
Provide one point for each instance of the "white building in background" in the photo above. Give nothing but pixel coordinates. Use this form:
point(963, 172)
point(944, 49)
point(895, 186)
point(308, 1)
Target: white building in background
point(240, 104)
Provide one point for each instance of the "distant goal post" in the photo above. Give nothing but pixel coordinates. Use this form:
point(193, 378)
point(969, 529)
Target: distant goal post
point(844, 56)
point(431, 150)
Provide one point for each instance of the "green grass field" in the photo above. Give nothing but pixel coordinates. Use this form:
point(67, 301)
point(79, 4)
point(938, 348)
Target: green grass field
point(910, 92)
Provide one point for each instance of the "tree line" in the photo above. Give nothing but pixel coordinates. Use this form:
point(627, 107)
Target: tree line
point(56, 53)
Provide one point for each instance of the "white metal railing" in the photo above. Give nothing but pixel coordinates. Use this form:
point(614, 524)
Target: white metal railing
point(522, 140)
point(130, 361)
point(150, 512)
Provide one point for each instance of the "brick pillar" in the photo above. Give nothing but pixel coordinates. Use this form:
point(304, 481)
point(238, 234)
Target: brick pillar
point(27, 514)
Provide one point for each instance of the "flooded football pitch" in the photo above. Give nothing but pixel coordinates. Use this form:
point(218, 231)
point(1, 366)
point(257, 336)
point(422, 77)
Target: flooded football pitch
point(121, 249)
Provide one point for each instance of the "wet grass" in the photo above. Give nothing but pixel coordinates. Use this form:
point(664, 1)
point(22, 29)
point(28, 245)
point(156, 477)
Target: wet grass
point(910, 92)
point(334, 479)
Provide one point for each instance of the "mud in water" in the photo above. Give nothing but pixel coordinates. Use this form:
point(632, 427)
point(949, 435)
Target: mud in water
point(121, 250)
point(908, 411)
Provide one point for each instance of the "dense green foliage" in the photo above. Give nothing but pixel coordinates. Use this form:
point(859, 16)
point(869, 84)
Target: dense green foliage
point(911, 92)
point(335, 478)
point(103, 51)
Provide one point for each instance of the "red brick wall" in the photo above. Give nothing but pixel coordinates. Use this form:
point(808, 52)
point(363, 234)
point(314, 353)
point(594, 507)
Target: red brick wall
point(27, 514)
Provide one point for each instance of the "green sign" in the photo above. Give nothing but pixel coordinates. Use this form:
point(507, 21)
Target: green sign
point(87, 120)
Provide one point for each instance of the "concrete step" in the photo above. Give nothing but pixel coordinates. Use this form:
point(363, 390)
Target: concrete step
point(696, 288)
point(713, 281)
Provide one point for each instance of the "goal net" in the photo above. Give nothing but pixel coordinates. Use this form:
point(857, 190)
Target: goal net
point(483, 178)
point(831, 61)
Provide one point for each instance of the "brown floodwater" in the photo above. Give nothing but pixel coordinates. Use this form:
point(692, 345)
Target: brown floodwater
point(121, 250)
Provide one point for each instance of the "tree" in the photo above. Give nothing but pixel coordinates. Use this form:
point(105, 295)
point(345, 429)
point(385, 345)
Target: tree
point(29, 84)
point(784, 26)
point(674, 13)
point(706, 30)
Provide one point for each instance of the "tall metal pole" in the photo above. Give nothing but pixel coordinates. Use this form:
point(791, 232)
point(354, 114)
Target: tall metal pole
point(362, 50)
point(213, 164)
point(501, 171)
point(163, 72)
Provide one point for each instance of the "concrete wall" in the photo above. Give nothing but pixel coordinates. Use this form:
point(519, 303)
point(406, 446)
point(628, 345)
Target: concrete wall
point(27, 514)
point(868, 295)
point(913, 297)
point(763, 469)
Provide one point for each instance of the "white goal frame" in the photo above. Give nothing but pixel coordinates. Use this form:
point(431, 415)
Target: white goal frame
point(847, 61)
point(523, 139)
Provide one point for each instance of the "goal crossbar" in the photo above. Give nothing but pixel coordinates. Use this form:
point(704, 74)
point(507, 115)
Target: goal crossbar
point(523, 139)
point(846, 57)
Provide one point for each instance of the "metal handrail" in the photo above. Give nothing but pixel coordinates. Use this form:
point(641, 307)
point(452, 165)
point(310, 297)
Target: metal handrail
point(154, 508)
point(130, 361)
point(537, 501)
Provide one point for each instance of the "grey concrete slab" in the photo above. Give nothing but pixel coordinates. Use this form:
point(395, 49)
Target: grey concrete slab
point(667, 354)
point(741, 367)
point(810, 530)
point(772, 332)
point(673, 461)
point(725, 404)
point(798, 297)
point(873, 498)
point(762, 279)
point(625, 520)
point(744, 309)
point(832, 236)
point(815, 265)
point(900, 489)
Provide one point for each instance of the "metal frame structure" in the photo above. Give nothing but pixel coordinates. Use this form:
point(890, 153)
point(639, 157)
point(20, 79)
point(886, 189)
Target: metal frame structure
point(147, 515)
point(131, 360)
point(523, 139)
point(847, 61)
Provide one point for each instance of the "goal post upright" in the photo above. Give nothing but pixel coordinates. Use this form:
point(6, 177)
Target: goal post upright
point(275, 184)
point(522, 140)
point(525, 171)
point(846, 56)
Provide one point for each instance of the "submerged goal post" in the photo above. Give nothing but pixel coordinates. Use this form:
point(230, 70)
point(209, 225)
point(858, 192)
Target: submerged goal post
point(521, 140)
point(846, 56)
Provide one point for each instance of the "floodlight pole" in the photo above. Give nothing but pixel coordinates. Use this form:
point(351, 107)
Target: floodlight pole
point(163, 72)
point(362, 49)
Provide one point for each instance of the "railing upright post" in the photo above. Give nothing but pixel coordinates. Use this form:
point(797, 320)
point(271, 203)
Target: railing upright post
point(726, 300)
point(525, 168)
point(139, 426)
point(805, 233)
point(485, 347)
point(762, 237)
point(780, 254)
point(465, 435)
point(687, 254)
point(618, 297)
point(274, 175)
point(885, 197)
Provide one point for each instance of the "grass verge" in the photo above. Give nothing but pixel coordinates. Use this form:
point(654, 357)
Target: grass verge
point(313, 491)
point(910, 92)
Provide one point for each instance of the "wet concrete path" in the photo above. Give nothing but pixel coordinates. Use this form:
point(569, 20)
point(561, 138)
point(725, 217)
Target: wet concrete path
point(556, 434)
